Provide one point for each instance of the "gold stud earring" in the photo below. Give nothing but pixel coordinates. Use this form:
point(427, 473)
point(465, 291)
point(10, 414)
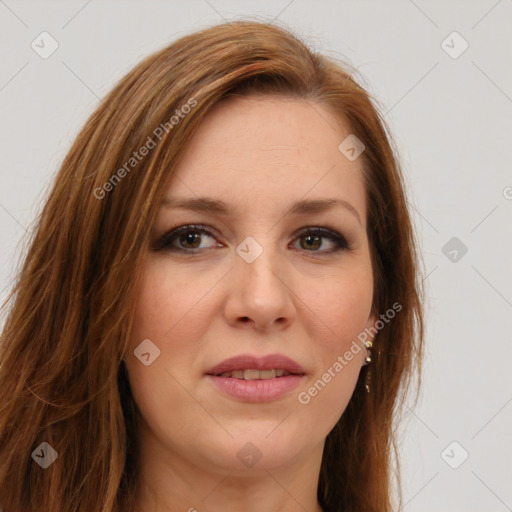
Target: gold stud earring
point(368, 358)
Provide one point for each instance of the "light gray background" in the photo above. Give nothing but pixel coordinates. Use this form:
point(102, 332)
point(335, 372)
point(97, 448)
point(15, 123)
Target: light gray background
point(452, 119)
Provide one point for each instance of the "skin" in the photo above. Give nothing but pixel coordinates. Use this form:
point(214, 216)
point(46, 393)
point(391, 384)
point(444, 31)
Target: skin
point(259, 154)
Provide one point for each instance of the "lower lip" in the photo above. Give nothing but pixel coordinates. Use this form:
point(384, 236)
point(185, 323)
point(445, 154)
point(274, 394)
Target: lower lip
point(256, 390)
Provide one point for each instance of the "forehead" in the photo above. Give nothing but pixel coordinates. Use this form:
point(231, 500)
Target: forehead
point(268, 151)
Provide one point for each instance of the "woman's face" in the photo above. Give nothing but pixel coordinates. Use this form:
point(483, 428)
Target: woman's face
point(256, 283)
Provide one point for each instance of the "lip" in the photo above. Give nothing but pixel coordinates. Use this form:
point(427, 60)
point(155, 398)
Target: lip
point(250, 362)
point(256, 390)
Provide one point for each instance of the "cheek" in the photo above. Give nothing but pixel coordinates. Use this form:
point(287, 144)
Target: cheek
point(342, 306)
point(170, 301)
point(170, 312)
point(166, 314)
point(342, 311)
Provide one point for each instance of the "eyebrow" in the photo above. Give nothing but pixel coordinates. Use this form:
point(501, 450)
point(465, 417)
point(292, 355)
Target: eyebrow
point(219, 207)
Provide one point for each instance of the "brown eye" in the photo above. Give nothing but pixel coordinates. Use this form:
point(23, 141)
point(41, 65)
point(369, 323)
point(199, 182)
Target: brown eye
point(183, 239)
point(192, 237)
point(311, 240)
point(189, 238)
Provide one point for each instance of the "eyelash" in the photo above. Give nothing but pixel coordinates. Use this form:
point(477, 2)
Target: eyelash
point(164, 243)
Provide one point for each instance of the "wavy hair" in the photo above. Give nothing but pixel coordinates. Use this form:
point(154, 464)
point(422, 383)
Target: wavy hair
point(69, 314)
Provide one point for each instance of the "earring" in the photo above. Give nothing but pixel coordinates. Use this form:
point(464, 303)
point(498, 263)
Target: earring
point(368, 358)
point(367, 361)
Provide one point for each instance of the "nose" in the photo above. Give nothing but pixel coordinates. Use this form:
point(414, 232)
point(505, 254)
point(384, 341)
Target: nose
point(259, 296)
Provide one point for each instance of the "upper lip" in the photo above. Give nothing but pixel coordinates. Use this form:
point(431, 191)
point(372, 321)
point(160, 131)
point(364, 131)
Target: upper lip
point(250, 362)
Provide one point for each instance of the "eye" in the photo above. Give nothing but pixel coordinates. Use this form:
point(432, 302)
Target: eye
point(187, 239)
point(183, 239)
point(311, 239)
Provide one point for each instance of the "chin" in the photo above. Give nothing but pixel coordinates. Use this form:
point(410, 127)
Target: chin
point(257, 450)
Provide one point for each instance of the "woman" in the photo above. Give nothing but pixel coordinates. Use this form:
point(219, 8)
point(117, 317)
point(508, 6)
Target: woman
point(191, 330)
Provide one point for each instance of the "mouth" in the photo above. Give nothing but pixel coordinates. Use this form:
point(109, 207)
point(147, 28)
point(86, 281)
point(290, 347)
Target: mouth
point(256, 379)
point(249, 367)
point(252, 374)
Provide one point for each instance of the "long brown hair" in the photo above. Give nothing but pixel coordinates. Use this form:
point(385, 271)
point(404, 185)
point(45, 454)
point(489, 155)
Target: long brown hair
point(68, 324)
